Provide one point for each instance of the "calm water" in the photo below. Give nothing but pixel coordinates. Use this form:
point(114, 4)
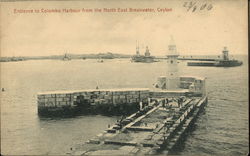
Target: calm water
point(221, 130)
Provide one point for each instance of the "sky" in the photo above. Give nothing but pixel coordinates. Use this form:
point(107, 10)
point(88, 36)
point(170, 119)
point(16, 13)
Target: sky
point(202, 32)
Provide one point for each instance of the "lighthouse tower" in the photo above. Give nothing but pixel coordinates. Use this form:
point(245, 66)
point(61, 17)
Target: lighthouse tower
point(172, 78)
point(225, 54)
point(147, 53)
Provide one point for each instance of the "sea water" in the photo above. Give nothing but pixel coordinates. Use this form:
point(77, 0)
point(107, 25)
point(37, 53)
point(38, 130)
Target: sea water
point(222, 129)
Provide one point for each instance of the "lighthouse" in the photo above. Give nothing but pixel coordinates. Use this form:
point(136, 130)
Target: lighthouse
point(172, 78)
point(147, 53)
point(225, 54)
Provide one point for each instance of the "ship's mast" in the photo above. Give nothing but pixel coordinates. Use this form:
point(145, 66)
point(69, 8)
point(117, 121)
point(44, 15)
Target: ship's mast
point(173, 80)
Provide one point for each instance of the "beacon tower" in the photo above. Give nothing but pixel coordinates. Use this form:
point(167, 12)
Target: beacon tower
point(172, 77)
point(147, 53)
point(225, 54)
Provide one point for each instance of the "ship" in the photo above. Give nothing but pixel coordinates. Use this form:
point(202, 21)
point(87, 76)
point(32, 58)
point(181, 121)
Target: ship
point(224, 62)
point(100, 61)
point(146, 58)
point(162, 121)
point(66, 57)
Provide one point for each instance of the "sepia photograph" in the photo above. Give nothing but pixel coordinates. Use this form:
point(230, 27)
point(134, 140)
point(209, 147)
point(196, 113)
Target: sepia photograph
point(124, 77)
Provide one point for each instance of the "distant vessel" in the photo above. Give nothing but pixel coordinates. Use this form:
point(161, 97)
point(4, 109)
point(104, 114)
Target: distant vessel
point(100, 61)
point(143, 58)
point(224, 62)
point(66, 57)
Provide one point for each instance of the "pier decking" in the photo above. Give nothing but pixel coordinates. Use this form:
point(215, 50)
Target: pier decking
point(155, 129)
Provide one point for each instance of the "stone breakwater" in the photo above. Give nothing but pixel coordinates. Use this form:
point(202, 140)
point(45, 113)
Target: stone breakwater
point(109, 101)
point(122, 101)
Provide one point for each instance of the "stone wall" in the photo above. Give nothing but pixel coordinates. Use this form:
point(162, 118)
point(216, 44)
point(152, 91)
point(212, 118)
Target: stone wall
point(94, 97)
point(55, 99)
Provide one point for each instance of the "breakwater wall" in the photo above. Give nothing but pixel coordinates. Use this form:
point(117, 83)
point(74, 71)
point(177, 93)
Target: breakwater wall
point(102, 100)
point(211, 64)
point(198, 59)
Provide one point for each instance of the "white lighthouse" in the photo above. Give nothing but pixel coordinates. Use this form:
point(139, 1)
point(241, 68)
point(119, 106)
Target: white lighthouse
point(172, 78)
point(147, 53)
point(225, 54)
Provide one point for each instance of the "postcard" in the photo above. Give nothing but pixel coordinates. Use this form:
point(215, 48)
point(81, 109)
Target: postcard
point(124, 77)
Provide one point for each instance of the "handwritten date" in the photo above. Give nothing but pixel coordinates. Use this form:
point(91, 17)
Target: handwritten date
point(194, 6)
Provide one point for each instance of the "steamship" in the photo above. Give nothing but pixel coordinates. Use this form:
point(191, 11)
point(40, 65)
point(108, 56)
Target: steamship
point(146, 58)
